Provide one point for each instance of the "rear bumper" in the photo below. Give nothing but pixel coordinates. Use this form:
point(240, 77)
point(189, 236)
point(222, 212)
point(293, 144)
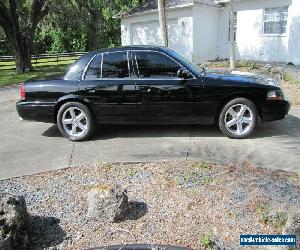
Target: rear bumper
point(32, 111)
point(275, 110)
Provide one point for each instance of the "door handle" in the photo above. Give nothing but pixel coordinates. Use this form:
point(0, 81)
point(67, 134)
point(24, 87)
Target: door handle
point(90, 90)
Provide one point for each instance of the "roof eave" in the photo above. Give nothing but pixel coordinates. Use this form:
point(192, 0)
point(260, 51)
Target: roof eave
point(155, 10)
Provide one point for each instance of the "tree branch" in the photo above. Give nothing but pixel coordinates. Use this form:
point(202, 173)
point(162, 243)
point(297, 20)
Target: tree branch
point(14, 17)
point(39, 9)
point(5, 19)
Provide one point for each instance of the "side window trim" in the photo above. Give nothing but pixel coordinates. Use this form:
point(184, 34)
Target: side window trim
point(165, 54)
point(128, 64)
point(137, 65)
point(101, 67)
point(132, 65)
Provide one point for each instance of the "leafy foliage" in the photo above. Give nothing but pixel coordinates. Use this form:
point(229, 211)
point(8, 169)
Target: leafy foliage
point(81, 25)
point(74, 25)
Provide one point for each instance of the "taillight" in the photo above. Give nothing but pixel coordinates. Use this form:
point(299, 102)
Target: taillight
point(23, 91)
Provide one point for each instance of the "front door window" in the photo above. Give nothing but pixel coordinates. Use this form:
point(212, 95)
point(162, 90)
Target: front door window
point(156, 65)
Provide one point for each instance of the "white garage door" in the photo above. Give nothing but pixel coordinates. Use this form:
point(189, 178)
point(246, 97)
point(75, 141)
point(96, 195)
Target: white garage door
point(147, 33)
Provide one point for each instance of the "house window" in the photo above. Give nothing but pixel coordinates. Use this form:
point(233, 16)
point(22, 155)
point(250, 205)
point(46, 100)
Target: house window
point(275, 20)
point(234, 26)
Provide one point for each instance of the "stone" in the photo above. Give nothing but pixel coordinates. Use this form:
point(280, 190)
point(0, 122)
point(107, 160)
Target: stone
point(15, 222)
point(107, 203)
point(293, 222)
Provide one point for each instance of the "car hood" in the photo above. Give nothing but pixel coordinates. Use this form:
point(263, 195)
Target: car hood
point(239, 76)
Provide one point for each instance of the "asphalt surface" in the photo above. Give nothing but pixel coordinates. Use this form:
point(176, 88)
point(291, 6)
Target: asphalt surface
point(31, 147)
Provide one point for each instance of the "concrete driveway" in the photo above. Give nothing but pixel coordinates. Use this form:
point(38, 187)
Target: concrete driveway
point(30, 147)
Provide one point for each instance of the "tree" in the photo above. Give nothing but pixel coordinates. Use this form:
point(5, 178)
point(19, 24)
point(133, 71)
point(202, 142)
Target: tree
point(3, 43)
point(19, 20)
point(94, 11)
point(231, 34)
point(163, 21)
point(81, 25)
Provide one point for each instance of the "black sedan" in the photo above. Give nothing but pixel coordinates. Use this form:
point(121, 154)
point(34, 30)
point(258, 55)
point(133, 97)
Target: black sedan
point(150, 85)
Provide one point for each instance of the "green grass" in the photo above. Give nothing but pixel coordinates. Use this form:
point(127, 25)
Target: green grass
point(206, 240)
point(45, 70)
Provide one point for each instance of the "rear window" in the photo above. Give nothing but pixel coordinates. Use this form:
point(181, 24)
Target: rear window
point(75, 71)
point(94, 70)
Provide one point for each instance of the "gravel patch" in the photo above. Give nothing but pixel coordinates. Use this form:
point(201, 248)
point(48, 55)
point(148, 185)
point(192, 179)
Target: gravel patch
point(177, 203)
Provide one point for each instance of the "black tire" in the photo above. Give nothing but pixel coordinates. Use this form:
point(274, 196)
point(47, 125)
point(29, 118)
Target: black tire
point(88, 120)
point(247, 127)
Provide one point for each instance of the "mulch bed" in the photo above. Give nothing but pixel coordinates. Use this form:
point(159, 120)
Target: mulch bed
point(184, 203)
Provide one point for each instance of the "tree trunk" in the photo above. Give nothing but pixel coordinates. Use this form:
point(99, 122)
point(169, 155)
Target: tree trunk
point(163, 22)
point(22, 55)
point(20, 29)
point(231, 35)
point(94, 36)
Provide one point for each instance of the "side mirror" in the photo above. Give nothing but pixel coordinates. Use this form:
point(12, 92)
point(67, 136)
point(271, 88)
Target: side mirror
point(183, 73)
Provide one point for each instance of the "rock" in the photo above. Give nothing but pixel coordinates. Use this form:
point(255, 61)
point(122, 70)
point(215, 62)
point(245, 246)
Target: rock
point(293, 223)
point(15, 222)
point(107, 203)
point(267, 66)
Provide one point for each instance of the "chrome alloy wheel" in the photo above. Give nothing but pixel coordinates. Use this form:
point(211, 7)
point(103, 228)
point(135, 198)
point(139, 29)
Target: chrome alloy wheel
point(74, 121)
point(239, 119)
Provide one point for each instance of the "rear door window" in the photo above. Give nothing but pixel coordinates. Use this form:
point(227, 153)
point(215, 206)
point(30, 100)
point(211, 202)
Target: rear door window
point(115, 65)
point(108, 65)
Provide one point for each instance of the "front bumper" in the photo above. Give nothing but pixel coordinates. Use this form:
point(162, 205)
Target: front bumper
point(35, 111)
point(275, 110)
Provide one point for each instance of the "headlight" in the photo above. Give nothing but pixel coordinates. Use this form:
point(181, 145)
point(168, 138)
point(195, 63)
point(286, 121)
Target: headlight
point(275, 95)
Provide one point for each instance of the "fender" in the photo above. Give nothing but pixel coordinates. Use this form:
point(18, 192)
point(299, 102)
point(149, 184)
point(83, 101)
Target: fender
point(251, 97)
point(72, 98)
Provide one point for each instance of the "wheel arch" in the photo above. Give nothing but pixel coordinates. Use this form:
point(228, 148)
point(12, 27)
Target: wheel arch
point(73, 98)
point(229, 98)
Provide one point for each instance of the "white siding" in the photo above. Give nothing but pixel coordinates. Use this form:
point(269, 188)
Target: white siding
point(251, 43)
point(200, 32)
point(144, 30)
point(205, 33)
point(294, 33)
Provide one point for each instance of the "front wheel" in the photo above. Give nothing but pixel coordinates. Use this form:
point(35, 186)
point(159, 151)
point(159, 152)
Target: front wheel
point(75, 121)
point(238, 118)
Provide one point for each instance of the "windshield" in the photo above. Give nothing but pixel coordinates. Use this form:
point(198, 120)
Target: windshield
point(194, 68)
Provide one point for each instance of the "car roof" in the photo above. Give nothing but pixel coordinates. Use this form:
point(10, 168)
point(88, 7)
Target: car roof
point(85, 58)
point(121, 48)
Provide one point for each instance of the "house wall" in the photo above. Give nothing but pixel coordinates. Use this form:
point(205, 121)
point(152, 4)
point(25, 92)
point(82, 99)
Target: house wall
point(205, 32)
point(144, 30)
point(200, 32)
point(251, 43)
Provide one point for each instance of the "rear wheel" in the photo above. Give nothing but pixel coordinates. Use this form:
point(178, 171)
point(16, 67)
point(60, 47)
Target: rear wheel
point(75, 121)
point(238, 118)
